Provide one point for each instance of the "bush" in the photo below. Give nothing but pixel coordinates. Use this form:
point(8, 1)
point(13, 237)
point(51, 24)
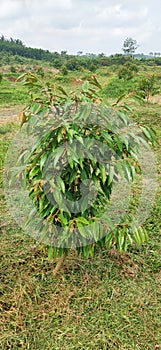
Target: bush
point(40, 72)
point(13, 69)
point(127, 71)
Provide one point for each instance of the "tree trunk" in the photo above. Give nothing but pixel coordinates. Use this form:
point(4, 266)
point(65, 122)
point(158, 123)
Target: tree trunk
point(59, 264)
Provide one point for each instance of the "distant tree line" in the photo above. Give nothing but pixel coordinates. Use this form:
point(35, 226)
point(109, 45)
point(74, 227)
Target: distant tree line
point(67, 62)
point(16, 47)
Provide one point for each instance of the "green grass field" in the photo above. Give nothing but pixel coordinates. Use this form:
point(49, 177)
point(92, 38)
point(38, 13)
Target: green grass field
point(110, 302)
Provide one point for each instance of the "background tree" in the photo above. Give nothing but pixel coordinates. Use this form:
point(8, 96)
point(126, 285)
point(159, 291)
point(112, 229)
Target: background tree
point(64, 70)
point(148, 87)
point(129, 46)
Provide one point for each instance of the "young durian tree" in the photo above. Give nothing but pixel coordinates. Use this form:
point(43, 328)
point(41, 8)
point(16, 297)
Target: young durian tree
point(84, 156)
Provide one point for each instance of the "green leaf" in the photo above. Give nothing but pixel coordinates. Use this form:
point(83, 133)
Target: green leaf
point(86, 251)
point(120, 240)
point(153, 135)
point(123, 117)
point(64, 238)
point(130, 239)
point(109, 239)
point(86, 85)
point(146, 132)
point(87, 169)
point(93, 80)
point(119, 99)
point(143, 235)
point(50, 253)
point(41, 204)
point(128, 108)
point(95, 230)
point(64, 208)
point(146, 237)
point(108, 138)
point(56, 252)
point(33, 172)
point(59, 135)
point(35, 108)
point(57, 196)
point(80, 139)
point(45, 212)
point(60, 183)
point(119, 143)
point(82, 220)
point(21, 77)
point(83, 175)
point(111, 174)
point(84, 203)
point(139, 235)
point(120, 169)
point(125, 140)
point(63, 219)
point(103, 172)
point(43, 160)
point(62, 90)
point(95, 179)
point(127, 169)
point(82, 230)
point(22, 155)
point(73, 155)
point(72, 176)
point(88, 143)
point(57, 154)
point(71, 163)
point(81, 160)
point(144, 142)
point(133, 172)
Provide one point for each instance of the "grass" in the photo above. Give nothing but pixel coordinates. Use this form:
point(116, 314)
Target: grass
point(5, 129)
point(12, 93)
point(110, 302)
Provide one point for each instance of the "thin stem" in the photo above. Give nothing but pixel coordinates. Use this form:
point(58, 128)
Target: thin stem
point(59, 264)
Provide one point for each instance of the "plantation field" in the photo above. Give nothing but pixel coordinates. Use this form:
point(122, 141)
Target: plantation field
point(109, 302)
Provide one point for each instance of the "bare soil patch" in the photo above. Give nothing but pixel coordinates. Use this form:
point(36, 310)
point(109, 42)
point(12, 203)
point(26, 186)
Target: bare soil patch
point(9, 114)
point(155, 99)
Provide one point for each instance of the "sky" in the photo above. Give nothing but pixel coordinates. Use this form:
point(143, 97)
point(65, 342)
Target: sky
point(90, 26)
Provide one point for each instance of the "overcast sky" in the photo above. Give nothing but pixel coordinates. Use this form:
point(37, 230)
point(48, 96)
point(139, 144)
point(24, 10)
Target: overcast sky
point(83, 25)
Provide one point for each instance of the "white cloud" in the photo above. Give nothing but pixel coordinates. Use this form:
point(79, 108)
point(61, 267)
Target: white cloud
point(11, 9)
point(88, 25)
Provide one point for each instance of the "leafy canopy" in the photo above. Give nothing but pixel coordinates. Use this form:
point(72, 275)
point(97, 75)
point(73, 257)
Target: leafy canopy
point(129, 46)
point(83, 149)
